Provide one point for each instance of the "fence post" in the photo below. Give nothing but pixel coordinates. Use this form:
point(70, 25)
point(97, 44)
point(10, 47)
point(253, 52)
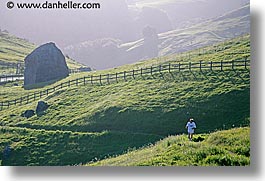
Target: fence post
point(116, 77)
point(8, 104)
point(91, 79)
point(179, 67)
point(84, 79)
point(245, 62)
point(141, 72)
point(200, 66)
point(160, 68)
point(169, 68)
point(151, 70)
point(221, 65)
point(47, 92)
point(100, 79)
point(16, 68)
point(190, 66)
point(233, 65)
point(133, 74)
point(69, 83)
point(211, 66)
point(108, 78)
point(124, 75)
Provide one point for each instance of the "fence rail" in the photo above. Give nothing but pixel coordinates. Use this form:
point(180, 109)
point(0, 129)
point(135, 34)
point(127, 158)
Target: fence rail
point(132, 74)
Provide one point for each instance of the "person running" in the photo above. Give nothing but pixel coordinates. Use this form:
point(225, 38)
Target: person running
point(190, 126)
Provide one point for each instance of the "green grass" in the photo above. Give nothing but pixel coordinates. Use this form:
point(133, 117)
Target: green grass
point(120, 106)
point(129, 114)
point(225, 51)
point(222, 148)
point(43, 147)
point(14, 50)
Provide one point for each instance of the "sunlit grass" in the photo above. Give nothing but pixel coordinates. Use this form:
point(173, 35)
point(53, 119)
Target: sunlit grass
point(85, 123)
point(222, 148)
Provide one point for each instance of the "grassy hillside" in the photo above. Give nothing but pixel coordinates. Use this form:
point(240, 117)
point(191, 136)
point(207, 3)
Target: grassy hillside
point(235, 49)
point(213, 31)
point(93, 121)
point(14, 50)
point(222, 148)
point(43, 147)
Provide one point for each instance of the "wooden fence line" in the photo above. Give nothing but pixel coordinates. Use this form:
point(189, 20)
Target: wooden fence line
point(18, 68)
point(125, 75)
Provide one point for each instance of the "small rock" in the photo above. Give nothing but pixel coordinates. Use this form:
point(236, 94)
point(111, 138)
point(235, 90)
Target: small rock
point(41, 107)
point(28, 113)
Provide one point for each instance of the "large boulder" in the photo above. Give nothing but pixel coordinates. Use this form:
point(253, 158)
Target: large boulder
point(44, 64)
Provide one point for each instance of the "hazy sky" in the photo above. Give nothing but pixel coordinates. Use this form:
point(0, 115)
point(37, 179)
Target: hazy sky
point(114, 19)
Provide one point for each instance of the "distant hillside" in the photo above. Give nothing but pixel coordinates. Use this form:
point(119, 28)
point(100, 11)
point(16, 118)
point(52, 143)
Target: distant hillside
point(215, 149)
point(230, 25)
point(90, 122)
point(14, 50)
point(110, 52)
point(184, 13)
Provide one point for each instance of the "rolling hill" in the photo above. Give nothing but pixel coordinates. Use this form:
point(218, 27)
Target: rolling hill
point(215, 149)
point(14, 50)
point(208, 32)
point(227, 26)
point(91, 122)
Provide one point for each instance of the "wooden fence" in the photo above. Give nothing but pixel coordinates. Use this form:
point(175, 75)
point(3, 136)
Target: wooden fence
point(132, 74)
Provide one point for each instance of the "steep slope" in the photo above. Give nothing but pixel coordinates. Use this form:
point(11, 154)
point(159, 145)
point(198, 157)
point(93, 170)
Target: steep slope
point(96, 121)
point(230, 25)
point(227, 26)
point(184, 13)
point(222, 148)
point(14, 50)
